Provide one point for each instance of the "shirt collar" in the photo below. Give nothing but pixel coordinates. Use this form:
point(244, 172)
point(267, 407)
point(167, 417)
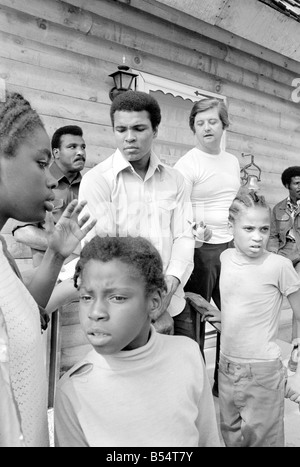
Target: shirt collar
point(120, 163)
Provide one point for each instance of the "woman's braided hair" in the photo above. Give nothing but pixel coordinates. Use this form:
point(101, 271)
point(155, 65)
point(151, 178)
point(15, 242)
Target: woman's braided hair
point(143, 258)
point(246, 199)
point(17, 120)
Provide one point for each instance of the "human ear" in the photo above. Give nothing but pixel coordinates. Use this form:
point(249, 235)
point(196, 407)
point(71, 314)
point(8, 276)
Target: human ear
point(230, 227)
point(56, 153)
point(155, 308)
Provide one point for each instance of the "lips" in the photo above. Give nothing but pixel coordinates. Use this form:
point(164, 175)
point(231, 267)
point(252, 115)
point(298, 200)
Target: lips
point(48, 203)
point(98, 333)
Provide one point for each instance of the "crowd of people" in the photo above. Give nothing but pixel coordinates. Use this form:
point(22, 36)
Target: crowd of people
point(143, 234)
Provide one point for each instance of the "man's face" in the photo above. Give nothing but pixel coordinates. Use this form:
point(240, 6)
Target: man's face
point(294, 188)
point(134, 134)
point(71, 155)
point(208, 130)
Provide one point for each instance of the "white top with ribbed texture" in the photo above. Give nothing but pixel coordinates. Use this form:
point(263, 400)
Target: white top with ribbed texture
point(26, 355)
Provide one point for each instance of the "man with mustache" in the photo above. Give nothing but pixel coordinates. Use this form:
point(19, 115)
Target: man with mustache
point(285, 237)
point(69, 153)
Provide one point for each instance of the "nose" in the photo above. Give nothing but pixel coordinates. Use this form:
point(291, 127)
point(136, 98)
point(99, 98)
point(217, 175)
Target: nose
point(130, 136)
point(257, 236)
point(206, 125)
point(50, 180)
point(98, 311)
point(81, 151)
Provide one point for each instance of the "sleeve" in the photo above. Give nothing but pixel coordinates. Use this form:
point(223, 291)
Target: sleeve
point(181, 262)
point(183, 168)
point(207, 419)
point(67, 430)
point(95, 190)
point(273, 242)
point(10, 421)
point(289, 281)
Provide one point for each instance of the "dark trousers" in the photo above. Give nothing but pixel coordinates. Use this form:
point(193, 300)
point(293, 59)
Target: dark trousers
point(204, 280)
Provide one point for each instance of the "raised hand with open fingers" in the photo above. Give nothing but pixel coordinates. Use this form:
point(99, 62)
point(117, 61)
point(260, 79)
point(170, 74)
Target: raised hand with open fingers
point(65, 236)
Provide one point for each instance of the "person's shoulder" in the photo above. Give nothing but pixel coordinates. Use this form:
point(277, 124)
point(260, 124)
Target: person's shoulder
point(179, 344)
point(185, 158)
point(230, 156)
point(99, 169)
point(227, 253)
point(277, 259)
point(280, 205)
point(77, 372)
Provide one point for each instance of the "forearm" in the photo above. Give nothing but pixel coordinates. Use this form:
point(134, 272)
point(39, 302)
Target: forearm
point(32, 236)
point(63, 293)
point(45, 276)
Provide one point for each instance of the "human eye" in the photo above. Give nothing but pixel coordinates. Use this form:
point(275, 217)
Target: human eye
point(118, 298)
point(120, 129)
point(265, 229)
point(43, 164)
point(213, 121)
point(85, 298)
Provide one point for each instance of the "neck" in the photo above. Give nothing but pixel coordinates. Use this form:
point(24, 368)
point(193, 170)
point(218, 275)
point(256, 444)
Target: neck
point(141, 166)
point(293, 200)
point(69, 175)
point(209, 150)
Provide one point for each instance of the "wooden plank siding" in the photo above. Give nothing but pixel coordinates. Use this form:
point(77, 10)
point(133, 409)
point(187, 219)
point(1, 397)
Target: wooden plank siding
point(59, 55)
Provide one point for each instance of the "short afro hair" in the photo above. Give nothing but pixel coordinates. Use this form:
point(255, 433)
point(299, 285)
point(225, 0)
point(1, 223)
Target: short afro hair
point(289, 173)
point(137, 252)
point(136, 101)
point(64, 130)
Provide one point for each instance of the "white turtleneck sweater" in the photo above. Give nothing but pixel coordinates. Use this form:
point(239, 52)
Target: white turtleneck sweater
point(156, 395)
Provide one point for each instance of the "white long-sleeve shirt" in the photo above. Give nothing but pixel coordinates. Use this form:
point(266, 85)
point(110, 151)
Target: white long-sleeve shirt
point(157, 208)
point(213, 181)
point(156, 395)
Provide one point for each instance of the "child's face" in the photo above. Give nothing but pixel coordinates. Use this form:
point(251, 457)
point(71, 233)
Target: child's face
point(251, 231)
point(25, 181)
point(113, 308)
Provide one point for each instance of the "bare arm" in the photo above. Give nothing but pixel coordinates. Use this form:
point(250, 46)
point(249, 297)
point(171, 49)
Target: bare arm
point(62, 241)
point(293, 382)
point(33, 236)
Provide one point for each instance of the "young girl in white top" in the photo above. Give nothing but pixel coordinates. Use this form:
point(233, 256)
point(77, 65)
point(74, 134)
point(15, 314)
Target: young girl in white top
point(26, 195)
point(137, 387)
point(252, 378)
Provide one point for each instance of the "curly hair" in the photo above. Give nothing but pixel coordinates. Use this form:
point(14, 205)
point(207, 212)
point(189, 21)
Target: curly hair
point(206, 104)
point(136, 101)
point(142, 257)
point(289, 173)
point(17, 120)
point(244, 200)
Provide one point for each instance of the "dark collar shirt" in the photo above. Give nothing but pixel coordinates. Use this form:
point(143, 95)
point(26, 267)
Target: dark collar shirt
point(65, 192)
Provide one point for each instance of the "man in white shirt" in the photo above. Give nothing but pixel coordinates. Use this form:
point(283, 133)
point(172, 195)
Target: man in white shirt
point(213, 178)
point(134, 193)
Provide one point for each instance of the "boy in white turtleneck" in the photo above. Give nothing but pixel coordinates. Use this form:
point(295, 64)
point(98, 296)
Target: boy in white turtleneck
point(137, 387)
